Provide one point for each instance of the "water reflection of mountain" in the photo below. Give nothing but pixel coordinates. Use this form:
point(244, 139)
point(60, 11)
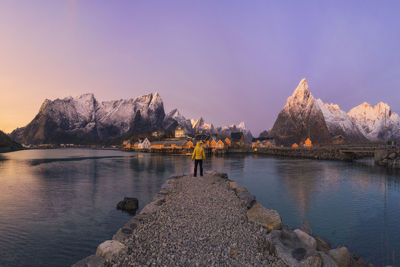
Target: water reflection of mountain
point(300, 178)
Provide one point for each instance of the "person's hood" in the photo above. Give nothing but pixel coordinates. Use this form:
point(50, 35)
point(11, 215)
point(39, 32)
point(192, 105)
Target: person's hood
point(197, 144)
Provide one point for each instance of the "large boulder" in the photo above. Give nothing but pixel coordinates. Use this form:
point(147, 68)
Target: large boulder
point(327, 260)
point(270, 219)
point(129, 204)
point(248, 199)
point(306, 239)
point(91, 261)
point(306, 227)
point(109, 249)
point(322, 245)
point(237, 188)
point(341, 256)
point(312, 261)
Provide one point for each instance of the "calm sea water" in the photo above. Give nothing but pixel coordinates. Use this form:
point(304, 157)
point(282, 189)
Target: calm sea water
point(56, 206)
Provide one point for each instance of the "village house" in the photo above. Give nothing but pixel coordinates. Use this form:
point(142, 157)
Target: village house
point(228, 142)
point(220, 145)
point(145, 144)
point(179, 132)
point(171, 144)
point(238, 139)
point(308, 143)
point(189, 145)
point(126, 144)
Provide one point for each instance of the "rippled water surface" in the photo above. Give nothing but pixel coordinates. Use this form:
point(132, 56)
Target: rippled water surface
point(56, 206)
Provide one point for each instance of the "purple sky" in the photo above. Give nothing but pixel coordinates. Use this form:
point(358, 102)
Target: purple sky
point(228, 61)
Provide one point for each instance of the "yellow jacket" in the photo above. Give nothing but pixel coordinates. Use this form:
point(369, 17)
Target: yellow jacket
point(198, 152)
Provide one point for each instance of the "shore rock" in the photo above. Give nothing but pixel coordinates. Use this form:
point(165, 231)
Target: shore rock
point(129, 204)
point(322, 245)
point(306, 239)
point(91, 261)
point(270, 219)
point(312, 261)
point(248, 199)
point(341, 256)
point(306, 227)
point(109, 248)
point(327, 260)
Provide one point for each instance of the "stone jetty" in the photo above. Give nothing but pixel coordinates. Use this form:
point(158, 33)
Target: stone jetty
point(212, 221)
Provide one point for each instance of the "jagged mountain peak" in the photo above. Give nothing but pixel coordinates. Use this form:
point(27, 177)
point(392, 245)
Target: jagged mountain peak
point(301, 118)
point(367, 111)
point(175, 114)
point(241, 125)
point(82, 119)
point(301, 97)
point(376, 122)
point(339, 123)
point(86, 96)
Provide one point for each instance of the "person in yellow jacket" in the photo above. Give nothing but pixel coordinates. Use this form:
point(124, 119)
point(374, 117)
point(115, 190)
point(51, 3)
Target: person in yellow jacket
point(198, 156)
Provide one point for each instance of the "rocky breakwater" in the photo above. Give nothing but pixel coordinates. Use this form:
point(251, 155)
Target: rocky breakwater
point(389, 159)
point(211, 220)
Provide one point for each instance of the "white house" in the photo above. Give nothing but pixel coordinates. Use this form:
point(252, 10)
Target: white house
point(145, 144)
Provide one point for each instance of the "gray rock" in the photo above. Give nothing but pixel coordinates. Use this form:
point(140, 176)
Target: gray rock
point(312, 261)
point(341, 256)
point(91, 261)
point(327, 260)
point(299, 253)
point(322, 245)
point(359, 263)
point(234, 186)
point(306, 227)
point(129, 204)
point(270, 219)
point(283, 251)
point(248, 199)
point(109, 249)
point(306, 239)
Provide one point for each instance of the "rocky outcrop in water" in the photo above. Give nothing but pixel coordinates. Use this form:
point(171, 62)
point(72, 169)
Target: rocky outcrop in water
point(129, 204)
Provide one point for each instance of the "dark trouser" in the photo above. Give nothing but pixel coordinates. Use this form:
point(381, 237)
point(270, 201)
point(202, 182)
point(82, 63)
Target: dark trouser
point(196, 162)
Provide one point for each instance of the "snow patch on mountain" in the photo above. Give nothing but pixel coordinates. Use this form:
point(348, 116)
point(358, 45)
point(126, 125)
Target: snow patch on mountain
point(339, 122)
point(377, 123)
point(83, 119)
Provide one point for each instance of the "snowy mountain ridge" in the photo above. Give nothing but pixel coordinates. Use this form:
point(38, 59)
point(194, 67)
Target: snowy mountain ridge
point(84, 120)
point(361, 123)
point(377, 122)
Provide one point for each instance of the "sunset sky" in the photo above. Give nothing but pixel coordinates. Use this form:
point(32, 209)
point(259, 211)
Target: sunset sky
point(228, 61)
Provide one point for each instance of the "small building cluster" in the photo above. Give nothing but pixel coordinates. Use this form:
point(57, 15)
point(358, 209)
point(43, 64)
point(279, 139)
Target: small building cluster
point(183, 145)
point(307, 144)
point(262, 143)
